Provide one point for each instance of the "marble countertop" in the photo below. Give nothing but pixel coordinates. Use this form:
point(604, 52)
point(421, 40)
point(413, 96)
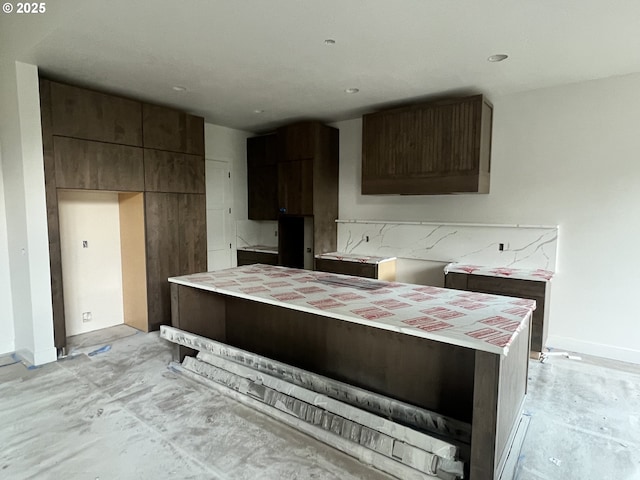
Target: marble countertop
point(505, 272)
point(474, 320)
point(260, 248)
point(354, 257)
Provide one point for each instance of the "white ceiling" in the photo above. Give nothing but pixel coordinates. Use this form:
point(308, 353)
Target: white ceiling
point(236, 56)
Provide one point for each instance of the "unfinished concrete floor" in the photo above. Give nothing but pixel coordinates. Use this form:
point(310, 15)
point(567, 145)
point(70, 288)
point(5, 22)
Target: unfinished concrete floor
point(122, 414)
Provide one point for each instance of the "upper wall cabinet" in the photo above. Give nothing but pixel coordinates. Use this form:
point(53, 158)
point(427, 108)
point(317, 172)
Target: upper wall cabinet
point(433, 148)
point(88, 115)
point(171, 130)
point(262, 177)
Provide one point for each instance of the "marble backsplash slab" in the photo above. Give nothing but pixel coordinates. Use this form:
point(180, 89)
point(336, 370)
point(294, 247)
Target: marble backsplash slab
point(253, 232)
point(529, 247)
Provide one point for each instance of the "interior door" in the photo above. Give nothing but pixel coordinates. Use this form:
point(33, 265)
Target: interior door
point(219, 231)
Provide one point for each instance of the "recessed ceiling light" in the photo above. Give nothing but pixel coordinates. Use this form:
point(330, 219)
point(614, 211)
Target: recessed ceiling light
point(329, 41)
point(499, 57)
point(352, 90)
point(257, 110)
point(179, 88)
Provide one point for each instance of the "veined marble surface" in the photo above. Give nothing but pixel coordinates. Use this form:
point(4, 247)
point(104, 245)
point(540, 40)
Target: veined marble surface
point(537, 275)
point(350, 257)
point(253, 232)
point(526, 247)
point(479, 321)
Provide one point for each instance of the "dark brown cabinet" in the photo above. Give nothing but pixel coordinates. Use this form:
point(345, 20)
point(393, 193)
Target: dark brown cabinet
point(512, 287)
point(96, 141)
point(83, 164)
point(176, 240)
point(262, 177)
point(247, 257)
point(172, 130)
point(89, 115)
point(173, 172)
point(294, 172)
point(380, 271)
point(295, 187)
point(433, 148)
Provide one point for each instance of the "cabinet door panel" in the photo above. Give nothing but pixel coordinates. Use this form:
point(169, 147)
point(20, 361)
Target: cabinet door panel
point(192, 233)
point(298, 141)
point(356, 269)
point(262, 187)
point(172, 130)
point(173, 172)
point(80, 113)
point(162, 228)
point(97, 166)
point(262, 151)
point(295, 187)
point(195, 135)
point(433, 148)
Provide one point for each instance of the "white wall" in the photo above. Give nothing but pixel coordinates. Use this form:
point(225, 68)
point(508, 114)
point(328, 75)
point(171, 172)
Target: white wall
point(7, 334)
point(567, 156)
point(229, 145)
point(92, 275)
point(25, 208)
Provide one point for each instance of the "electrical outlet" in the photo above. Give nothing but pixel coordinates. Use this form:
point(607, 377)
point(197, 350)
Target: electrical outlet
point(86, 317)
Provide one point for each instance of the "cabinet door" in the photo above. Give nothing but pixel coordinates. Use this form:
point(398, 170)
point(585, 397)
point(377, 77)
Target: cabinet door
point(262, 188)
point(433, 148)
point(162, 230)
point(298, 141)
point(97, 166)
point(262, 150)
point(262, 177)
point(192, 233)
point(295, 187)
point(173, 172)
point(172, 130)
point(80, 113)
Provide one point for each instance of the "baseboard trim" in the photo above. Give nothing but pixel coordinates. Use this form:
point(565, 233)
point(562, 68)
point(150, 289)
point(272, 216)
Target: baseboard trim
point(596, 349)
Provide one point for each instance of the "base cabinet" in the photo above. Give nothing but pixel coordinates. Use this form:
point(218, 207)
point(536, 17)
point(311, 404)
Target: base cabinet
point(511, 287)
point(246, 257)
point(379, 271)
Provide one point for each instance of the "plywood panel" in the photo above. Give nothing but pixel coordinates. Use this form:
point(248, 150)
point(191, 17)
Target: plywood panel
point(134, 265)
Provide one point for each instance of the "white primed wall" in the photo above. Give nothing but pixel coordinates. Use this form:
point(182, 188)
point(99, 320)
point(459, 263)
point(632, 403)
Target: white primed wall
point(92, 275)
point(25, 211)
point(7, 334)
point(565, 156)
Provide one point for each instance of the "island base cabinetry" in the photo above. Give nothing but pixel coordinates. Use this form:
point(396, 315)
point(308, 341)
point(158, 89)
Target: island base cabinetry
point(485, 390)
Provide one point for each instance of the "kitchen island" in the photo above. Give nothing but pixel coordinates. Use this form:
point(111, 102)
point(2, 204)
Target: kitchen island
point(460, 354)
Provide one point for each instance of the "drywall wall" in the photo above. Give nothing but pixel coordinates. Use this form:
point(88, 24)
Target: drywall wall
point(93, 271)
point(563, 156)
point(25, 207)
point(229, 145)
point(7, 334)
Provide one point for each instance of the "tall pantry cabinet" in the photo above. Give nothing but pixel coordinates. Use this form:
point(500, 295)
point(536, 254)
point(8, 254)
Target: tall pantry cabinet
point(97, 141)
